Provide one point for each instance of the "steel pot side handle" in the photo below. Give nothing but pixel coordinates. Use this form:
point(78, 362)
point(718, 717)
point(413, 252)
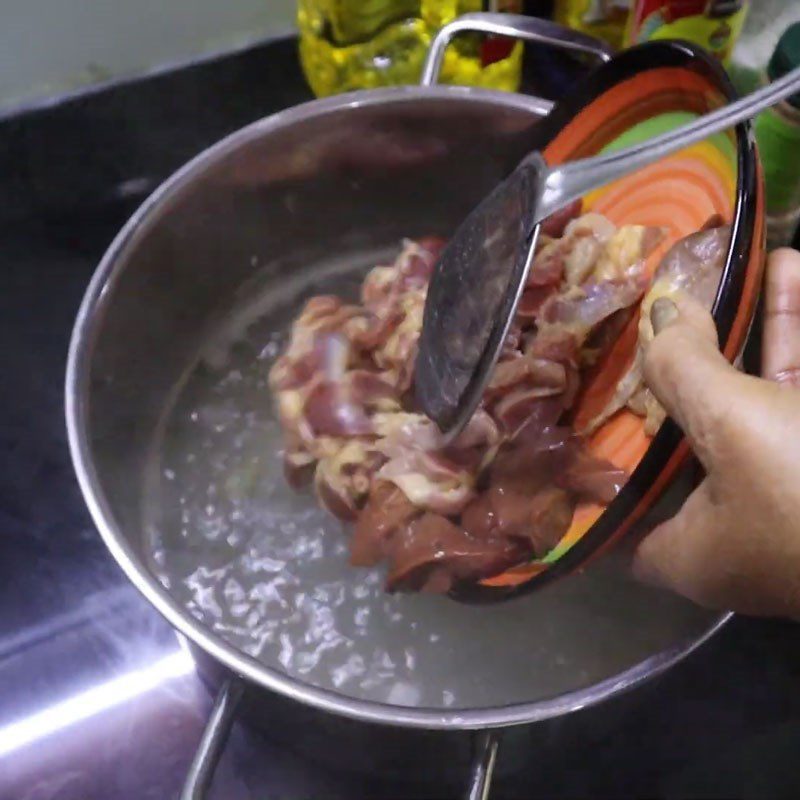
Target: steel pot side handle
point(213, 740)
point(218, 727)
point(515, 26)
point(485, 744)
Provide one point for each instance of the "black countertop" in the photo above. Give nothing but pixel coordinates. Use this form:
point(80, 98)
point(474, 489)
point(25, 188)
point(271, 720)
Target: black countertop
point(97, 700)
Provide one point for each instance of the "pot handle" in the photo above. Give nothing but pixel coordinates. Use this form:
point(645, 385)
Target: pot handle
point(213, 740)
point(515, 26)
point(485, 744)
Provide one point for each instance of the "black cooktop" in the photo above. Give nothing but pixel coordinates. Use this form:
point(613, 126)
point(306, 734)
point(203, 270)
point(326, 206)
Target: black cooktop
point(97, 700)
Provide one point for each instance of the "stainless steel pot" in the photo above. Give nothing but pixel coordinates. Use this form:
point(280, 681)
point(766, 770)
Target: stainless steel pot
point(347, 175)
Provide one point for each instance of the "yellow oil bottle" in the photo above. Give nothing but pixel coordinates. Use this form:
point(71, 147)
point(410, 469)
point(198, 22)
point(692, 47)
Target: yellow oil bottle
point(363, 44)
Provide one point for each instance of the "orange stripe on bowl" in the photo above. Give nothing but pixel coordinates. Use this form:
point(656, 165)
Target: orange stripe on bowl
point(622, 441)
point(624, 104)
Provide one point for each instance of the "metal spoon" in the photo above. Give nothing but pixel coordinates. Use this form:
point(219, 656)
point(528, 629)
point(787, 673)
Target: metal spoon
point(480, 276)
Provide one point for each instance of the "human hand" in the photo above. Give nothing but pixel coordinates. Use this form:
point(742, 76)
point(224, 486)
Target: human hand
point(736, 542)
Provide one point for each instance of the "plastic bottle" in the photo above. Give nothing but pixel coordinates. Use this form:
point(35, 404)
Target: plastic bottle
point(363, 44)
point(778, 135)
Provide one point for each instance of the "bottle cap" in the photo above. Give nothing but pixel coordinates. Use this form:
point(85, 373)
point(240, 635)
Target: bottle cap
point(786, 57)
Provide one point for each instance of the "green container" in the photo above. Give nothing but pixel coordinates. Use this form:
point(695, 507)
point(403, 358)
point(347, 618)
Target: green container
point(777, 132)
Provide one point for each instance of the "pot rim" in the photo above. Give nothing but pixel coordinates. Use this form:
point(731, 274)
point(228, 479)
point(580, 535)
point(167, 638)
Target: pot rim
point(81, 349)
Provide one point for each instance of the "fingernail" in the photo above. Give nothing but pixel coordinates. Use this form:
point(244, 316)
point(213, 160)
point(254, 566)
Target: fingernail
point(663, 313)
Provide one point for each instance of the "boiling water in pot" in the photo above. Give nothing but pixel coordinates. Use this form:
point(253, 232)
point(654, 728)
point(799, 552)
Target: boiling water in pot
point(267, 570)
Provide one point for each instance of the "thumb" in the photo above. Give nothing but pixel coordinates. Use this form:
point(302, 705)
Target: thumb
point(688, 375)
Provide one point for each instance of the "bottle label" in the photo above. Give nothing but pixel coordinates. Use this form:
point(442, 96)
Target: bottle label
point(496, 48)
point(715, 25)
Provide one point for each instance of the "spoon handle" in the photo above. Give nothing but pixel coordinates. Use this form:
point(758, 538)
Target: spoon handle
point(570, 181)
